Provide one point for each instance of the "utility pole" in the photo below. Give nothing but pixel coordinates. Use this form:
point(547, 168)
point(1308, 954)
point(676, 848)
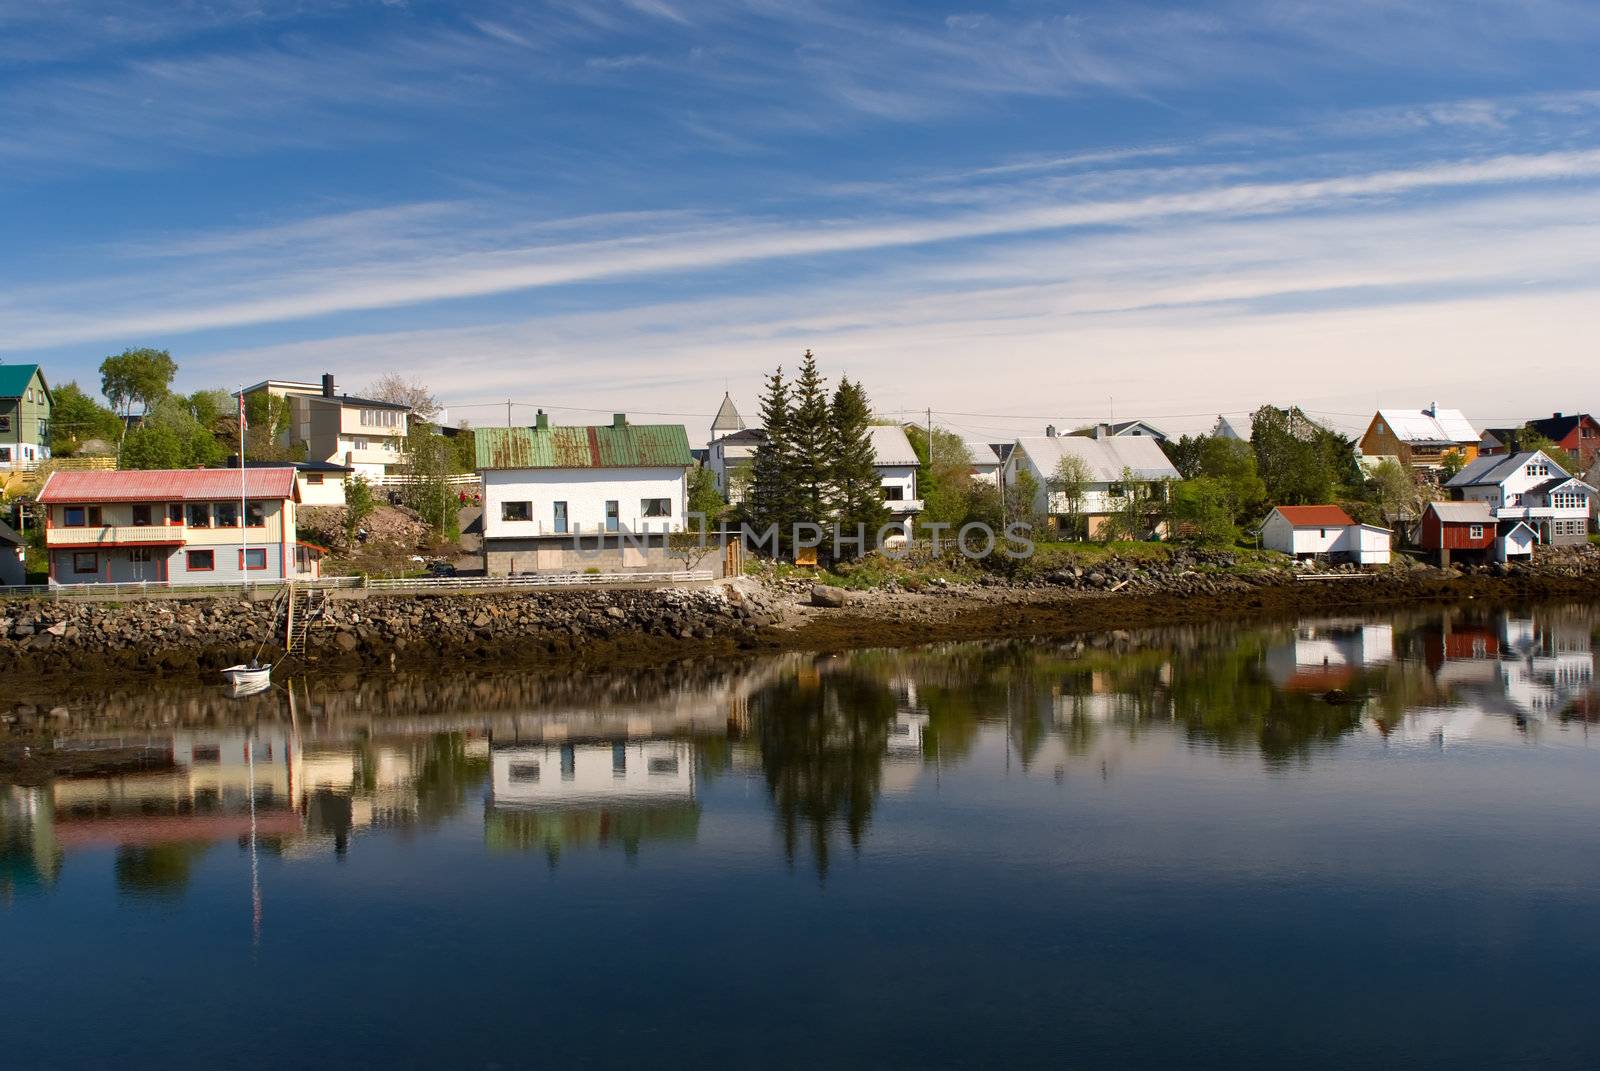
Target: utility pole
point(930, 438)
point(508, 412)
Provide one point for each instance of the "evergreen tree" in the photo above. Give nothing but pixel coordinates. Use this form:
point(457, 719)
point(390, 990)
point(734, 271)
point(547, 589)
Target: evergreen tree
point(812, 446)
point(770, 498)
point(857, 488)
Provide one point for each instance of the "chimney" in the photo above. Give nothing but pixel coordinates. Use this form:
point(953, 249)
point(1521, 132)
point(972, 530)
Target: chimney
point(1433, 409)
point(1049, 431)
point(542, 421)
point(619, 420)
point(1100, 430)
point(1556, 416)
point(327, 384)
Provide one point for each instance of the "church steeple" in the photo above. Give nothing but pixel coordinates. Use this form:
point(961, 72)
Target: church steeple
point(728, 419)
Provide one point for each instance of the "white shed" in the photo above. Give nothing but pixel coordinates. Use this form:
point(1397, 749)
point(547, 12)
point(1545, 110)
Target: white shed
point(1324, 531)
point(1515, 541)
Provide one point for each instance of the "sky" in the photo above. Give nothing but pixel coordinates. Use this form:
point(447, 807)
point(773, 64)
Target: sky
point(1010, 215)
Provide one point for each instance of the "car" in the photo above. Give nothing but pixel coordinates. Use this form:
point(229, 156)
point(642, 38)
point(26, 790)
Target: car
point(441, 568)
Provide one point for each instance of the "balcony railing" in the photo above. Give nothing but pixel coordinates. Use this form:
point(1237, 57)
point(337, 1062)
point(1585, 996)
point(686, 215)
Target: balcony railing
point(114, 533)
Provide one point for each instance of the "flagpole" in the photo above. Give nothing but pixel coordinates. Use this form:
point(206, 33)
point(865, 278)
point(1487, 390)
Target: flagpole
point(244, 506)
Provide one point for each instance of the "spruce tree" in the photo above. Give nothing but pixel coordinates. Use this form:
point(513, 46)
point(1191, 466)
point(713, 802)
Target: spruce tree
point(771, 499)
point(812, 446)
point(858, 490)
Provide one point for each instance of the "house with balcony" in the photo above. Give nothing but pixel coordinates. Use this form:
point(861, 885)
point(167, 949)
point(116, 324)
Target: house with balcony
point(1531, 488)
point(175, 526)
point(1420, 439)
point(365, 435)
point(24, 416)
point(1117, 466)
point(897, 464)
point(568, 498)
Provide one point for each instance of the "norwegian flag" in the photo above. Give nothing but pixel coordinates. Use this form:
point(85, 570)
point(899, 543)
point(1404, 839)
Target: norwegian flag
point(243, 421)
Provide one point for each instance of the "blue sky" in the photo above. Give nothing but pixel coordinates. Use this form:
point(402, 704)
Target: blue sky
point(1010, 213)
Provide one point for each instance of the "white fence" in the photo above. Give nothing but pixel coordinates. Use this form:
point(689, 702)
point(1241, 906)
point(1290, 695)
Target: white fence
point(169, 587)
point(465, 479)
point(534, 580)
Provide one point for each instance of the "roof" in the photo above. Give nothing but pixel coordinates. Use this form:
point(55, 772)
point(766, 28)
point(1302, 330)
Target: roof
point(890, 446)
point(1226, 428)
point(1463, 512)
point(1553, 484)
point(1496, 468)
point(728, 418)
point(14, 379)
point(1106, 458)
point(1503, 436)
point(1315, 516)
point(166, 485)
point(1429, 426)
point(604, 446)
point(744, 435)
point(9, 535)
point(1123, 427)
point(302, 466)
point(983, 453)
point(1559, 425)
point(364, 403)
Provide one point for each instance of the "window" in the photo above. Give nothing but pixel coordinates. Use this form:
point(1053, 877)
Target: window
point(1380, 427)
point(85, 561)
point(569, 762)
point(379, 418)
point(141, 514)
point(525, 773)
point(560, 524)
point(894, 493)
point(1475, 531)
point(141, 556)
point(613, 515)
point(200, 561)
point(253, 558)
point(314, 478)
point(94, 517)
point(74, 516)
point(516, 511)
point(655, 507)
point(174, 513)
point(5, 422)
point(619, 760)
point(359, 444)
point(1537, 468)
point(226, 514)
point(255, 515)
point(658, 767)
point(199, 514)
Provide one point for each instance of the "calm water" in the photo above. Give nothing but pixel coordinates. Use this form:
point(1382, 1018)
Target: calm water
point(1162, 851)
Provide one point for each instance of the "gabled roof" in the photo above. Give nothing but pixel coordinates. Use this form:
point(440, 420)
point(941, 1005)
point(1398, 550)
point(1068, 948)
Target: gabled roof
point(890, 446)
point(14, 380)
point(604, 446)
point(727, 419)
point(1315, 516)
point(1128, 427)
point(1497, 468)
point(1429, 427)
point(1555, 483)
point(1106, 458)
point(166, 485)
point(984, 453)
point(1226, 428)
point(1463, 512)
point(1559, 425)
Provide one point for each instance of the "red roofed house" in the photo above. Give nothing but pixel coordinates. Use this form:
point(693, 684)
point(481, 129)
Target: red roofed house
point(174, 525)
point(1324, 531)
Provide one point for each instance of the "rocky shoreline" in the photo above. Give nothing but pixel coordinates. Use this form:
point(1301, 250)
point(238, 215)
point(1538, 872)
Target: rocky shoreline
point(43, 641)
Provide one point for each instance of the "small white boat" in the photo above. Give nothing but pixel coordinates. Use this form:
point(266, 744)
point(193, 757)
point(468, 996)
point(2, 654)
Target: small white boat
point(246, 680)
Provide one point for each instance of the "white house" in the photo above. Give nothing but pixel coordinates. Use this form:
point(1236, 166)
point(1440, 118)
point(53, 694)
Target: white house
point(565, 499)
point(365, 434)
point(1109, 460)
point(897, 465)
point(1124, 428)
point(1324, 531)
point(986, 459)
point(1529, 487)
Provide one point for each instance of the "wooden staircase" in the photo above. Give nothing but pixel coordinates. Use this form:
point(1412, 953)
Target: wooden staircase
point(304, 608)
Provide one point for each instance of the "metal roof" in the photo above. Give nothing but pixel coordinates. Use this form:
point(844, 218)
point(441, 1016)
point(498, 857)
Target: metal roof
point(604, 446)
point(1496, 468)
point(166, 485)
point(1463, 512)
point(890, 445)
point(14, 379)
point(1429, 427)
point(1315, 516)
point(1106, 458)
point(728, 418)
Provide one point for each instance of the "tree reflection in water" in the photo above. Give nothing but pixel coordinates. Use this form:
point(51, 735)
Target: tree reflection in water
point(823, 733)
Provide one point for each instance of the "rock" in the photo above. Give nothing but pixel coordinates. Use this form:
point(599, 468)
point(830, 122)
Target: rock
point(57, 629)
point(346, 642)
point(616, 613)
point(823, 595)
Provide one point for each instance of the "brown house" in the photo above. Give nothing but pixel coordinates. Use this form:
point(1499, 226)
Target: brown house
point(1420, 438)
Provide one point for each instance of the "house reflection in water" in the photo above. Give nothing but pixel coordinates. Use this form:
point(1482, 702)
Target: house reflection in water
point(1329, 655)
point(30, 858)
point(552, 796)
point(1533, 669)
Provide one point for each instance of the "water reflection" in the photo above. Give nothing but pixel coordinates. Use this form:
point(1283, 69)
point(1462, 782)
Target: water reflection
point(620, 762)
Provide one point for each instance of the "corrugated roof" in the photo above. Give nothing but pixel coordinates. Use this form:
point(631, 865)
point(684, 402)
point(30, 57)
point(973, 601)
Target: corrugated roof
point(1316, 516)
point(166, 485)
point(1106, 458)
point(1463, 512)
point(14, 379)
point(605, 446)
point(1420, 426)
point(890, 445)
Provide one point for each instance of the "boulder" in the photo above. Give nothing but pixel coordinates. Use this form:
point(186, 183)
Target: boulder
point(823, 595)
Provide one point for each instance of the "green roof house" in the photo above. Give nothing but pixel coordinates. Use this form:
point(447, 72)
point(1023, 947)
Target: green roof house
point(24, 416)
